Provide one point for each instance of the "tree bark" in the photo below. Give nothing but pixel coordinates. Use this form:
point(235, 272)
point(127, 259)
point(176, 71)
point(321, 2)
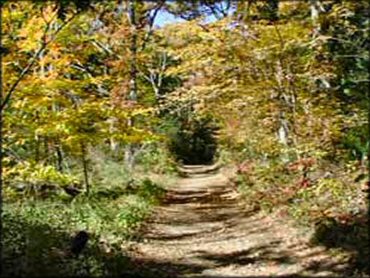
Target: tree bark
point(133, 50)
point(316, 9)
point(46, 149)
point(1, 139)
point(59, 157)
point(85, 168)
point(132, 97)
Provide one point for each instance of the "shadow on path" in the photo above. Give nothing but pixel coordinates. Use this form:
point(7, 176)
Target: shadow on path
point(201, 230)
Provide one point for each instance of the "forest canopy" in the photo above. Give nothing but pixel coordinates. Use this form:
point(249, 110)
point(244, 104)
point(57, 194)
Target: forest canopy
point(102, 102)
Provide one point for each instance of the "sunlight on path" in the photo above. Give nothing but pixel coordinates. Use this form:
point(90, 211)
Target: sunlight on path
point(201, 230)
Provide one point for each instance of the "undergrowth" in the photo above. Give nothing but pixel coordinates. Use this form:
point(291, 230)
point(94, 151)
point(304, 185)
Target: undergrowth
point(35, 231)
point(39, 226)
point(316, 193)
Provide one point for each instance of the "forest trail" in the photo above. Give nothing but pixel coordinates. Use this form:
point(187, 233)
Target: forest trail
point(202, 230)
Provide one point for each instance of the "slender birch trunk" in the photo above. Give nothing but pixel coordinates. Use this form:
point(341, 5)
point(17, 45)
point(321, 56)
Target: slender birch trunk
point(316, 9)
point(130, 148)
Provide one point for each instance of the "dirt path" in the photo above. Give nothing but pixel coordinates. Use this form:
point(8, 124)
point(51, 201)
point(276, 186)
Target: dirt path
point(202, 231)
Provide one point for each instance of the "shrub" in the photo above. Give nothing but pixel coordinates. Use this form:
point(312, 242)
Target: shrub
point(37, 234)
point(156, 159)
point(32, 178)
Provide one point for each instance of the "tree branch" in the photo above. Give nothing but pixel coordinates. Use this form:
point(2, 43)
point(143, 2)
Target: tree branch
point(33, 60)
point(151, 24)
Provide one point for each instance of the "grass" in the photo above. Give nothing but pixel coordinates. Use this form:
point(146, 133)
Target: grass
point(34, 229)
point(38, 231)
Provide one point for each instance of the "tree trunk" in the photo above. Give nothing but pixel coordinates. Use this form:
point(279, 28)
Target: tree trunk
point(283, 131)
point(46, 149)
point(42, 64)
point(133, 49)
point(368, 144)
point(130, 149)
point(59, 157)
point(1, 138)
point(316, 9)
point(37, 149)
point(85, 168)
point(112, 128)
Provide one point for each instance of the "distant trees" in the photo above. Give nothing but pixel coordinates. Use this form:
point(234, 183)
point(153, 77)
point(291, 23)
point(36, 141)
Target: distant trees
point(281, 70)
point(77, 78)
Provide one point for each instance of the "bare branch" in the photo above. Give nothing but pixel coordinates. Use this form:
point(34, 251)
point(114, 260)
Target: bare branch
point(151, 24)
